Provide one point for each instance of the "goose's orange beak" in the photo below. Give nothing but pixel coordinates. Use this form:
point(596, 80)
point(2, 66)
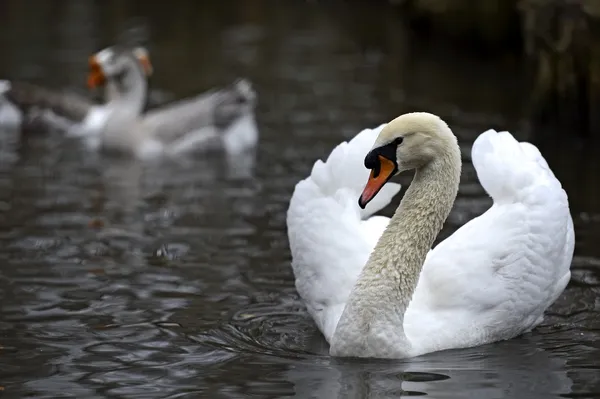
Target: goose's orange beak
point(377, 179)
point(142, 56)
point(145, 61)
point(96, 77)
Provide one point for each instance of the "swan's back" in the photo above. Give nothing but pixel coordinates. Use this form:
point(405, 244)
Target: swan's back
point(330, 237)
point(495, 276)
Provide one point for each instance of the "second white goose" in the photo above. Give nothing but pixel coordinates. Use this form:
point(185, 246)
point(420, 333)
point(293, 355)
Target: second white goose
point(223, 116)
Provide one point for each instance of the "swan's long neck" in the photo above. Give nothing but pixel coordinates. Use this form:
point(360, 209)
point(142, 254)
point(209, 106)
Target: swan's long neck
point(372, 324)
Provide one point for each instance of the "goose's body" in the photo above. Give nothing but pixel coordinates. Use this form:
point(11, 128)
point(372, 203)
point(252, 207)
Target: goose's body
point(10, 115)
point(26, 105)
point(30, 97)
point(225, 116)
point(373, 286)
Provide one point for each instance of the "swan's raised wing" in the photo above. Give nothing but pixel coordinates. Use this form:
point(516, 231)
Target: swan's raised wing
point(498, 273)
point(208, 113)
point(330, 237)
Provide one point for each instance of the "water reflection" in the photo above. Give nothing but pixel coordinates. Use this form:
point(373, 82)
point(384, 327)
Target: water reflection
point(534, 374)
point(172, 279)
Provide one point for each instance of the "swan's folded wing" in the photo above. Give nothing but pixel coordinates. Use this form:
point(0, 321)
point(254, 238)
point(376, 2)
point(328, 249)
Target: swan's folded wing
point(373, 228)
point(330, 237)
point(510, 263)
point(329, 251)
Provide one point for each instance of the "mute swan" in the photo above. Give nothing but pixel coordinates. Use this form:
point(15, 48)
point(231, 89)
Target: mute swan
point(373, 286)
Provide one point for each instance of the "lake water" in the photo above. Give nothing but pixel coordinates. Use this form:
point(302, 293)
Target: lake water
point(185, 290)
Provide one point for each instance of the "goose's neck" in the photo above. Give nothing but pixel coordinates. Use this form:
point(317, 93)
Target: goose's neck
point(111, 91)
point(372, 323)
point(129, 95)
point(125, 107)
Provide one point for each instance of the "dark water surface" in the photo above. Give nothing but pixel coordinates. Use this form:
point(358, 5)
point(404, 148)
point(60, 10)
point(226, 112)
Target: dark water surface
point(186, 290)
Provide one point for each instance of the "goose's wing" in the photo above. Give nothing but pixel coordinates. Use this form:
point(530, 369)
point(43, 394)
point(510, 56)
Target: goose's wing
point(11, 116)
point(330, 236)
point(204, 115)
point(28, 96)
point(497, 274)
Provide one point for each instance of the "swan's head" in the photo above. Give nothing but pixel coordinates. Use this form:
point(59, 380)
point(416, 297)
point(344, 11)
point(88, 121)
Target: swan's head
point(118, 64)
point(410, 141)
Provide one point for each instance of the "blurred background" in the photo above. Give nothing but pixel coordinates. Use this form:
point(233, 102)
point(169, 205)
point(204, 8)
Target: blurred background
point(127, 280)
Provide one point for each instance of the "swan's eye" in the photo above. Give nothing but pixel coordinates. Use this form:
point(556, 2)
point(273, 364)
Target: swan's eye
point(398, 140)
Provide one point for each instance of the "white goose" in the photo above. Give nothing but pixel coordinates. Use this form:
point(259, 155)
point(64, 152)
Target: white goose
point(372, 284)
point(225, 116)
point(38, 107)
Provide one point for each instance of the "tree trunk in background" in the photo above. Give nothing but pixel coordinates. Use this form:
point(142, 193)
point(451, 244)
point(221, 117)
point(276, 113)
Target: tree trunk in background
point(560, 40)
point(562, 47)
point(487, 24)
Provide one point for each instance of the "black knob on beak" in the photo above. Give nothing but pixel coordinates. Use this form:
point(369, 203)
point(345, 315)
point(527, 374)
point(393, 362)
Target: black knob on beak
point(372, 161)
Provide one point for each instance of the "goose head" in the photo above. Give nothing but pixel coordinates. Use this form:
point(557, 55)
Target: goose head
point(411, 141)
point(236, 100)
point(120, 65)
point(4, 86)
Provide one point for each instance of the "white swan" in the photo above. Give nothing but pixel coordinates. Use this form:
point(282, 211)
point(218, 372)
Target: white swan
point(373, 286)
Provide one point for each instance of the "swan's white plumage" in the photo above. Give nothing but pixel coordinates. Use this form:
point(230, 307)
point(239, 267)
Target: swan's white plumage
point(330, 236)
point(491, 280)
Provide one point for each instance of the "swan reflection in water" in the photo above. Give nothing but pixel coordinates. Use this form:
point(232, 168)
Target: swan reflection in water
point(509, 370)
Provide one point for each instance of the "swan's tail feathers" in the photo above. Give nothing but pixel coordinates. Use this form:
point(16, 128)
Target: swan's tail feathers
point(533, 154)
point(507, 169)
point(343, 175)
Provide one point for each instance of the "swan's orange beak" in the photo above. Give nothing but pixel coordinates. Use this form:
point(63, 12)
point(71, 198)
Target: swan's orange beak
point(377, 180)
point(96, 77)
